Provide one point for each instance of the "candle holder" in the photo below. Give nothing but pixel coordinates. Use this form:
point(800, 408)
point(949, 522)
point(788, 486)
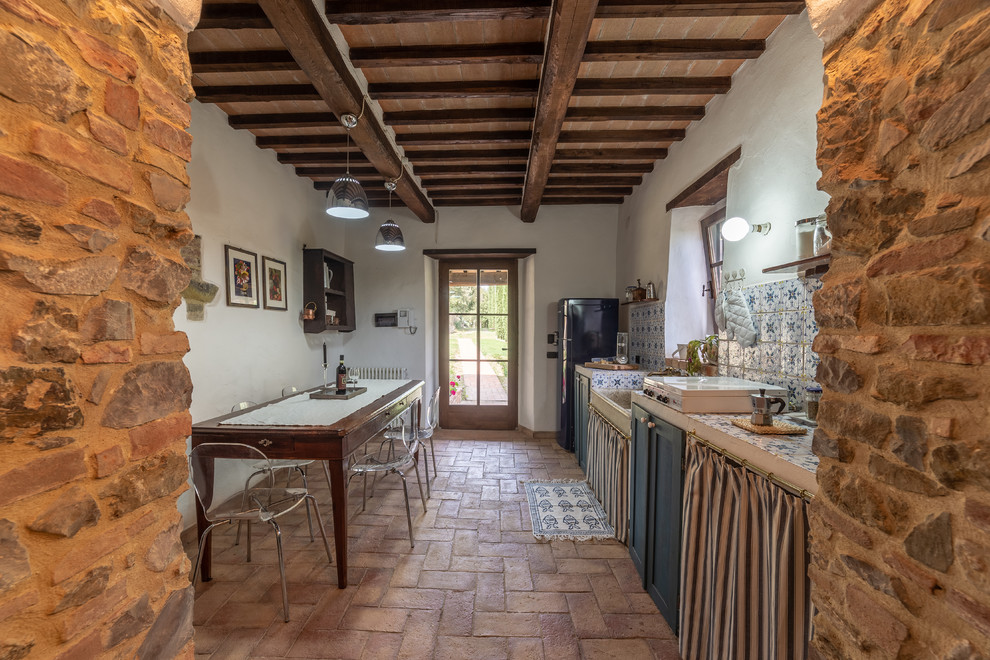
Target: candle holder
point(324, 375)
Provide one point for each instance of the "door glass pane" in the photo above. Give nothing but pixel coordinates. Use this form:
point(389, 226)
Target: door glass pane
point(463, 293)
point(494, 291)
point(463, 383)
point(494, 383)
point(463, 337)
point(494, 337)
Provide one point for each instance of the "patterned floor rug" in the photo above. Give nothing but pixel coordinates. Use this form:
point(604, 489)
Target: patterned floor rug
point(566, 510)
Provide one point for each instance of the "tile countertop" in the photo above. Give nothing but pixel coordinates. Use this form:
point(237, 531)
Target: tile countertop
point(787, 456)
point(624, 379)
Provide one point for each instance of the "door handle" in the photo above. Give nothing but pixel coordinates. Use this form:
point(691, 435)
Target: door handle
point(650, 425)
point(642, 420)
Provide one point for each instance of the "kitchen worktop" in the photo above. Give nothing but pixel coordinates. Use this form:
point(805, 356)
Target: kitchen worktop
point(787, 456)
point(613, 379)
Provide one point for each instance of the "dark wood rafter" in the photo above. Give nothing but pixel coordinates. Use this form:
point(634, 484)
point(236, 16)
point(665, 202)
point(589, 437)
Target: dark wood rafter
point(278, 120)
point(257, 93)
point(446, 155)
point(242, 61)
point(306, 35)
point(636, 113)
point(661, 135)
point(458, 116)
point(468, 137)
point(567, 34)
point(376, 12)
point(465, 89)
point(532, 52)
point(233, 16)
point(709, 187)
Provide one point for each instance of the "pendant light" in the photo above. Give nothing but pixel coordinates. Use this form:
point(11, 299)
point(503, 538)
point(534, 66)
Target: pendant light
point(347, 198)
point(389, 238)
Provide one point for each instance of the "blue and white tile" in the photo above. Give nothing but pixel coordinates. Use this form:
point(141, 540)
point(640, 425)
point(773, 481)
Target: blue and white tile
point(769, 327)
point(735, 354)
point(771, 297)
point(810, 327)
point(770, 358)
point(791, 362)
point(795, 393)
point(736, 372)
point(791, 294)
point(791, 327)
point(810, 286)
point(810, 363)
point(752, 298)
point(751, 357)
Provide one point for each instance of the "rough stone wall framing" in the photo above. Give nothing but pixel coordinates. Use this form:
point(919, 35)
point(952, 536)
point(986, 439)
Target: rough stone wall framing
point(93, 394)
point(901, 525)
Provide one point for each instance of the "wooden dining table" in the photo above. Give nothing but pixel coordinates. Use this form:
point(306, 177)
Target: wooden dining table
point(297, 426)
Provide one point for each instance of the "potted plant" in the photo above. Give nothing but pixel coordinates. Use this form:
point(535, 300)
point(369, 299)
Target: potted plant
point(701, 352)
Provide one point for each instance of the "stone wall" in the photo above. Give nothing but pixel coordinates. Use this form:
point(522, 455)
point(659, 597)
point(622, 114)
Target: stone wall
point(901, 525)
point(93, 394)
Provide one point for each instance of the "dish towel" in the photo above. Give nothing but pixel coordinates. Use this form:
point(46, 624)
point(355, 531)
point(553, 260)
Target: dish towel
point(732, 315)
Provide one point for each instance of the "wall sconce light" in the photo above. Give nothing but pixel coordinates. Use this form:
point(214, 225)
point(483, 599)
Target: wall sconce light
point(736, 229)
point(347, 198)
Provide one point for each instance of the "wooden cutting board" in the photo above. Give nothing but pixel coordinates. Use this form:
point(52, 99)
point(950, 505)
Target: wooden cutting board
point(611, 366)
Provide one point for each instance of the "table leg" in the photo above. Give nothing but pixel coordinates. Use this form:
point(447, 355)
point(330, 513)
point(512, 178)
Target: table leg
point(206, 564)
point(338, 483)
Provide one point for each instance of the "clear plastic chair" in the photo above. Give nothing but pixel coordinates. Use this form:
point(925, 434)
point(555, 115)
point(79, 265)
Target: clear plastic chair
point(297, 465)
point(289, 389)
point(423, 434)
point(260, 501)
point(391, 461)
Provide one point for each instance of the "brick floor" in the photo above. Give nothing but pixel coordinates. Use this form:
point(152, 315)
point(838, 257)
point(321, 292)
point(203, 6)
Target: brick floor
point(476, 586)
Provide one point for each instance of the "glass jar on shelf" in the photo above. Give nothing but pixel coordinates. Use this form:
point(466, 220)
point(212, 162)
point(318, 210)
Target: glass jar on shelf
point(805, 232)
point(813, 396)
point(823, 237)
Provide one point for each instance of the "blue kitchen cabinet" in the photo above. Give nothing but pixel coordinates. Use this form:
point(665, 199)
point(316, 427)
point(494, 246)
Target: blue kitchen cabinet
point(582, 398)
point(655, 504)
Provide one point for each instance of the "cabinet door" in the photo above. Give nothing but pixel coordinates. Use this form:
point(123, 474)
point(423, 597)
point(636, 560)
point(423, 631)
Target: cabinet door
point(582, 396)
point(664, 562)
point(639, 491)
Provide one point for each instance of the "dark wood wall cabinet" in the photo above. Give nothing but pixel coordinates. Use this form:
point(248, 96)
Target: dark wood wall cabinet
point(656, 481)
point(328, 283)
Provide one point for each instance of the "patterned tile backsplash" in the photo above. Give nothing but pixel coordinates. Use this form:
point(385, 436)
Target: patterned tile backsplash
point(646, 328)
point(785, 323)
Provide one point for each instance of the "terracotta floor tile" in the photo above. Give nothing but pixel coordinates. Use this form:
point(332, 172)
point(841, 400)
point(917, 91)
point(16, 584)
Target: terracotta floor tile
point(460, 648)
point(343, 644)
point(614, 649)
point(380, 619)
point(477, 585)
point(506, 624)
point(532, 601)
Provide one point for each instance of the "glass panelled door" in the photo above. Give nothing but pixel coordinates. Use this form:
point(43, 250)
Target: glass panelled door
point(477, 353)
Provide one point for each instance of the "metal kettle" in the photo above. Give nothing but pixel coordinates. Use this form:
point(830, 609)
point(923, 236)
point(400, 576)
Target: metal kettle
point(762, 415)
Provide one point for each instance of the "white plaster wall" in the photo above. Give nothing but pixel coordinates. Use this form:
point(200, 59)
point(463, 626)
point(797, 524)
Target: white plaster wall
point(686, 311)
point(771, 112)
point(575, 256)
point(243, 196)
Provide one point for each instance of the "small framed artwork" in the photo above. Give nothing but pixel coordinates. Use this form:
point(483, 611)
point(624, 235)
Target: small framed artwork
point(275, 291)
point(242, 277)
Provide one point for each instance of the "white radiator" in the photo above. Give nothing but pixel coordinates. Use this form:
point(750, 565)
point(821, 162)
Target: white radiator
point(378, 372)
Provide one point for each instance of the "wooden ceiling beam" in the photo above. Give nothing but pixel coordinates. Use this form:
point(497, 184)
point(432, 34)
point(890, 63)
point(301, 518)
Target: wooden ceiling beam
point(565, 200)
point(301, 141)
point(445, 155)
point(640, 86)
point(441, 182)
point(307, 36)
point(599, 169)
point(453, 89)
point(636, 113)
point(465, 89)
point(380, 12)
point(321, 158)
point(574, 191)
point(242, 61)
point(256, 93)
point(458, 116)
point(610, 154)
point(277, 120)
point(567, 35)
point(465, 137)
point(532, 52)
point(234, 16)
point(662, 135)
point(360, 172)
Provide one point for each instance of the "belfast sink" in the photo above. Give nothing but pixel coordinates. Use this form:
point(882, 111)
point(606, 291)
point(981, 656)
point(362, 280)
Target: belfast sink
point(615, 405)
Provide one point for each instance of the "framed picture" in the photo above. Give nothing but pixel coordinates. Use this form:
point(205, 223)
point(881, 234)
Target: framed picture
point(242, 277)
point(275, 290)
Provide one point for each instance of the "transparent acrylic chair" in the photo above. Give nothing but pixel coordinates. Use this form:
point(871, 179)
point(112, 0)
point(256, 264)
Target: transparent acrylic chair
point(297, 465)
point(424, 433)
point(261, 500)
point(391, 460)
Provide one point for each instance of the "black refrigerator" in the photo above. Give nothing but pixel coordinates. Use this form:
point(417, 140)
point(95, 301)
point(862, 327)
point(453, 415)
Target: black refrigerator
point(586, 328)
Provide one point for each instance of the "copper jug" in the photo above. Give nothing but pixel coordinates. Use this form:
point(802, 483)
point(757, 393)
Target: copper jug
point(309, 313)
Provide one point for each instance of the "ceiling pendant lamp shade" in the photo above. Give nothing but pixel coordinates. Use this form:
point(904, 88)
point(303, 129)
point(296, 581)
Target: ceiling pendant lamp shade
point(347, 199)
point(389, 238)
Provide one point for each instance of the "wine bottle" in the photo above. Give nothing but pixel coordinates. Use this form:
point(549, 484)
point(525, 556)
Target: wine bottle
point(341, 377)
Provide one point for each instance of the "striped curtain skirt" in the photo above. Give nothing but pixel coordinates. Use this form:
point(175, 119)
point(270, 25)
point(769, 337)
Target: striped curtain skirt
point(608, 472)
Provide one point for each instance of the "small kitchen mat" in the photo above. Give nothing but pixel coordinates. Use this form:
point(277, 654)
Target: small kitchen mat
point(566, 510)
point(778, 428)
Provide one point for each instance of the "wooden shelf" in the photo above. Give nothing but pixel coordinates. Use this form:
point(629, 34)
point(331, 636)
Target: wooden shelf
point(810, 267)
point(341, 301)
point(637, 302)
